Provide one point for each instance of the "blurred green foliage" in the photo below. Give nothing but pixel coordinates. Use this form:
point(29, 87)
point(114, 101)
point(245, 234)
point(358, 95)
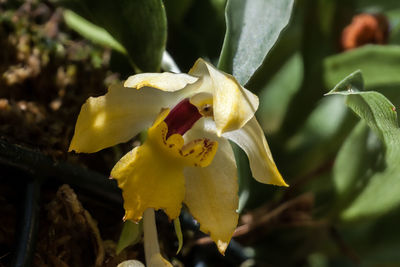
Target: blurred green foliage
point(140, 26)
point(131, 234)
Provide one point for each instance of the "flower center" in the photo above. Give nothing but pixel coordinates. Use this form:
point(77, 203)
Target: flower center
point(181, 118)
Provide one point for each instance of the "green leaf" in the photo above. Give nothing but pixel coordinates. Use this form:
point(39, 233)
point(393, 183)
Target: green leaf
point(177, 9)
point(380, 193)
point(91, 31)
point(189, 34)
point(253, 26)
point(379, 64)
point(286, 47)
point(356, 162)
point(393, 15)
point(352, 82)
point(318, 140)
point(348, 168)
point(179, 235)
point(373, 6)
point(130, 235)
point(140, 26)
point(316, 44)
point(276, 95)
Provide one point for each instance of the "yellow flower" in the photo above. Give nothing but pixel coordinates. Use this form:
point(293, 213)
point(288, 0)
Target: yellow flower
point(187, 157)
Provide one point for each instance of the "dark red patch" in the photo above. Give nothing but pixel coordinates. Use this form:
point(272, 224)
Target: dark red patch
point(181, 118)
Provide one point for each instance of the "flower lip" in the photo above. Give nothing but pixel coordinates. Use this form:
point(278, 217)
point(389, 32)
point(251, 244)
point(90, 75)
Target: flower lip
point(181, 118)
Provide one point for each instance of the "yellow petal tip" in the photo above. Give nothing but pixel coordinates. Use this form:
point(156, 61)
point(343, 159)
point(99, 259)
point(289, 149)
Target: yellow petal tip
point(132, 216)
point(278, 179)
point(222, 246)
point(72, 148)
point(283, 183)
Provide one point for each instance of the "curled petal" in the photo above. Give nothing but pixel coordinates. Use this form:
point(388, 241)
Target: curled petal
point(204, 102)
point(233, 105)
point(117, 116)
point(212, 192)
point(252, 140)
point(151, 176)
point(166, 81)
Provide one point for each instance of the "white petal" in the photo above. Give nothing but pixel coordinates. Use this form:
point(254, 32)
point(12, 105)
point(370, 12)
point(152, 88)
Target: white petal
point(118, 116)
point(166, 81)
point(233, 105)
point(252, 140)
point(212, 192)
point(131, 263)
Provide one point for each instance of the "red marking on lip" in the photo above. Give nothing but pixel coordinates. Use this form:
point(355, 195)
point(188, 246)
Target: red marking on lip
point(181, 118)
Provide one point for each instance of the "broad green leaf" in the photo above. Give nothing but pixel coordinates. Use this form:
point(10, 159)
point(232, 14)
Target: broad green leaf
point(130, 235)
point(349, 168)
point(316, 44)
point(276, 96)
point(139, 26)
point(91, 31)
point(253, 26)
point(380, 194)
point(356, 162)
point(179, 235)
point(380, 65)
point(319, 138)
point(286, 47)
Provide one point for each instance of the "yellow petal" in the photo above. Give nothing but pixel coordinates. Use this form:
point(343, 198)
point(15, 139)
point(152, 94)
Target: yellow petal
point(117, 116)
point(148, 183)
point(252, 140)
point(212, 192)
point(163, 81)
point(151, 176)
point(233, 105)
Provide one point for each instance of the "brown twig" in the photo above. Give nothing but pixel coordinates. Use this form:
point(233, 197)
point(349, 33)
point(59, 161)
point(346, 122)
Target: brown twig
point(253, 222)
point(346, 250)
point(299, 181)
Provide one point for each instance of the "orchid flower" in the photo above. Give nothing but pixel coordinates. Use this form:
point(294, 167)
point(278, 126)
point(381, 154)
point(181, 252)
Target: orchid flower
point(186, 157)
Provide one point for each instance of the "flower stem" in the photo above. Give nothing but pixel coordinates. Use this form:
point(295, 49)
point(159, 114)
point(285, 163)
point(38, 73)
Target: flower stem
point(151, 247)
